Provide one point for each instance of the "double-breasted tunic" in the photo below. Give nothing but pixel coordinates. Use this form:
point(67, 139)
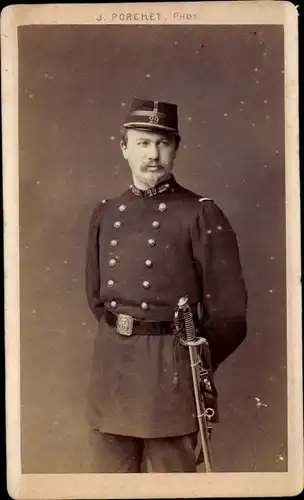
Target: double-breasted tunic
point(146, 250)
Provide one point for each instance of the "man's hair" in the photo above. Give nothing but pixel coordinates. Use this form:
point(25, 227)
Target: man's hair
point(169, 135)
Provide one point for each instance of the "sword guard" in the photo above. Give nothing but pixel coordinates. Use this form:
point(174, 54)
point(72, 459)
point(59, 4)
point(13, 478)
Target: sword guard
point(198, 341)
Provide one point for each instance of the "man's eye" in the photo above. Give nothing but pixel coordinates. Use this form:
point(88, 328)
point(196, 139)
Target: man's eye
point(143, 143)
point(164, 142)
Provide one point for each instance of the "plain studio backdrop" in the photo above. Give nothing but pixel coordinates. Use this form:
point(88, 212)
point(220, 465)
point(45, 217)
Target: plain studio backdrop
point(76, 83)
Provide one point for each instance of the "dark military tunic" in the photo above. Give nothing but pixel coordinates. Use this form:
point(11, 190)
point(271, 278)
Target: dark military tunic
point(145, 251)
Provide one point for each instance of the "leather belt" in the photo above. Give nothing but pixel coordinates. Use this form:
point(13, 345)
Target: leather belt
point(126, 325)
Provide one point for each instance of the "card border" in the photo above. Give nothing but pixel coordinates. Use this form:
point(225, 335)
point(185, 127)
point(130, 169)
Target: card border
point(142, 485)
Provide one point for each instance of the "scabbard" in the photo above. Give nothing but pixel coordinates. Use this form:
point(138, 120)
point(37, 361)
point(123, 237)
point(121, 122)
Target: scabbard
point(200, 407)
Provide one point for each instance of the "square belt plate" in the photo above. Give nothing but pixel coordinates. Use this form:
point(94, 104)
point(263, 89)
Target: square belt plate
point(124, 325)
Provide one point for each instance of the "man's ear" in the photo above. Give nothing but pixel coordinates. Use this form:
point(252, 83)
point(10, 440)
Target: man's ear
point(123, 148)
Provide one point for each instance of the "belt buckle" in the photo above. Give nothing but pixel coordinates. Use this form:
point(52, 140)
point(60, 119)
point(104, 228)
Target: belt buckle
point(124, 324)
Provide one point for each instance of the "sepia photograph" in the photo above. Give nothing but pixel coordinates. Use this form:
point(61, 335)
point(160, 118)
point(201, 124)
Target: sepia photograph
point(152, 250)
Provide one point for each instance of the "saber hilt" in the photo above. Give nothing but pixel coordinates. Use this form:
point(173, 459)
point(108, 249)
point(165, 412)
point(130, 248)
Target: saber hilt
point(183, 321)
point(188, 319)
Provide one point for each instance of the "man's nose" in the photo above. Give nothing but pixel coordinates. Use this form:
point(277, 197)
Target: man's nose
point(153, 152)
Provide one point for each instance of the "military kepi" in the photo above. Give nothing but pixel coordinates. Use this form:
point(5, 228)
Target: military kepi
point(152, 115)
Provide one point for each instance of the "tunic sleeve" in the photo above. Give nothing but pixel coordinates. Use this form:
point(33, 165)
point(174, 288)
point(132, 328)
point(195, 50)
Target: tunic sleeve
point(224, 294)
point(92, 270)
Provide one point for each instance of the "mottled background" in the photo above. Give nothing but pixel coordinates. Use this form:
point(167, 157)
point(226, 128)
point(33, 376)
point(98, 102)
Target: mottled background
point(75, 85)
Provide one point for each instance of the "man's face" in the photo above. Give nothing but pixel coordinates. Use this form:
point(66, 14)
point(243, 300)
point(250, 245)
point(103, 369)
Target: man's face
point(150, 156)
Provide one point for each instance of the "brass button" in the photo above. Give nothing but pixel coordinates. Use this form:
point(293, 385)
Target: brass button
point(104, 201)
point(162, 207)
point(148, 263)
point(155, 224)
point(114, 304)
point(113, 243)
point(144, 306)
point(151, 242)
point(146, 284)
point(112, 262)
point(111, 283)
point(122, 208)
point(117, 224)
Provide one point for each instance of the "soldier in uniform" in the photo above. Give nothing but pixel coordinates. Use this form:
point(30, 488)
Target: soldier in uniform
point(152, 244)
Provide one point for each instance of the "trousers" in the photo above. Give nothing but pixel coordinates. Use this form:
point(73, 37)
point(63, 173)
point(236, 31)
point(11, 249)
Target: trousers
point(120, 454)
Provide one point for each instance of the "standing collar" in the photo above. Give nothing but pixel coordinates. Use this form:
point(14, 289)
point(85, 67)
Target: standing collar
point(167, 185)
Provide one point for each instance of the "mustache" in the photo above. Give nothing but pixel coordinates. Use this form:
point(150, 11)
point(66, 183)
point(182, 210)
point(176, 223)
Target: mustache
point(151, 165)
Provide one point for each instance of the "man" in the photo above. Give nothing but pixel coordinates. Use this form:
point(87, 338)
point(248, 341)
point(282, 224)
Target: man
point(147, 248)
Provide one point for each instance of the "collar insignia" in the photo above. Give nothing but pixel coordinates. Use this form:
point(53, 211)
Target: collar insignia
point(161, 188)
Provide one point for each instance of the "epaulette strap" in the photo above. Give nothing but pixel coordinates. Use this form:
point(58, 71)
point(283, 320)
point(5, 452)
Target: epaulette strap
point(98, 210)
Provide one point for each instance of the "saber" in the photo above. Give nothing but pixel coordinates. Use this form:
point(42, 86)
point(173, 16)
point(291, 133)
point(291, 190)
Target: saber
point(192, 341)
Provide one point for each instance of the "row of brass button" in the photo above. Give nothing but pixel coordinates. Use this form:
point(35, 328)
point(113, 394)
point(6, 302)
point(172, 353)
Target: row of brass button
point(146, 284)
point(118, 223)
point(143, 305)
point(161, 207)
